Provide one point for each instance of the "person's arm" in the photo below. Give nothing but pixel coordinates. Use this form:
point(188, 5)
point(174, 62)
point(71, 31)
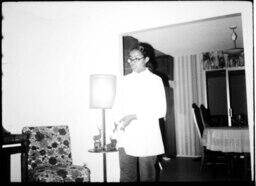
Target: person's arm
point(121, 125)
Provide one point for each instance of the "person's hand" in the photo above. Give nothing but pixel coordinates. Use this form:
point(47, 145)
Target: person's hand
point(126, 120)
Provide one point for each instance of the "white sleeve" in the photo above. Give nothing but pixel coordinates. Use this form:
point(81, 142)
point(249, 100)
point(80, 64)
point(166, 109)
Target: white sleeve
point(160, 99)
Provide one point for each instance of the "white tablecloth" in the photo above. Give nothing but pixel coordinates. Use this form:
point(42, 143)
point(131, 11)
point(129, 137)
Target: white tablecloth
point(226, 139)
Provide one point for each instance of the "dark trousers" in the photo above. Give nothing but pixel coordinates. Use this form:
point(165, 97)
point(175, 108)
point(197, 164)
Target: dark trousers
point(137, 169)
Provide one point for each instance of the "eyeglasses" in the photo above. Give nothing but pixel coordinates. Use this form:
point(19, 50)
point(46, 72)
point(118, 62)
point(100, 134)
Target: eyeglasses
point(133, 60)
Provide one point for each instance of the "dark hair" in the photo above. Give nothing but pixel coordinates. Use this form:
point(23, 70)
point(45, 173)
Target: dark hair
point(147, 51)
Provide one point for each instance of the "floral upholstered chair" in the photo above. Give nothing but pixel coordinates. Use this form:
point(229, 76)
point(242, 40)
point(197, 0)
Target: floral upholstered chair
point(48, 157)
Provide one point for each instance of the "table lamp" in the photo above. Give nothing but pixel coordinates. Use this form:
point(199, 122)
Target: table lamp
point(102, 95)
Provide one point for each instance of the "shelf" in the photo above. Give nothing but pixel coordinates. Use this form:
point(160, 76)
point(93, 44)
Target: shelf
point(226, 68)
point(233, 51)
point(13, 150)
point(93, 151)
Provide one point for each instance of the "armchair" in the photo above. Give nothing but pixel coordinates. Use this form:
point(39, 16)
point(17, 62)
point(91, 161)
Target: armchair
point(48, 156)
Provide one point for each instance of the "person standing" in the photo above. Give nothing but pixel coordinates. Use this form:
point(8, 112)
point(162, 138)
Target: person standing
point(143, 103)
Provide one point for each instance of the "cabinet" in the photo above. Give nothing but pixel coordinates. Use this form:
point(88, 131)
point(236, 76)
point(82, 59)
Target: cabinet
point(226, 88)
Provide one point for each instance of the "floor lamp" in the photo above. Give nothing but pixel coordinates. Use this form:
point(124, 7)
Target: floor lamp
point(102, 95)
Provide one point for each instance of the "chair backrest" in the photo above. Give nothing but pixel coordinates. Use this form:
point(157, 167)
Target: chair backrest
point(197, 119)
point(48, 146)
point(206, 116)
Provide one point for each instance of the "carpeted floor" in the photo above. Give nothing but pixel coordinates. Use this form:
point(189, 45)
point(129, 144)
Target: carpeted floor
point(188, 170)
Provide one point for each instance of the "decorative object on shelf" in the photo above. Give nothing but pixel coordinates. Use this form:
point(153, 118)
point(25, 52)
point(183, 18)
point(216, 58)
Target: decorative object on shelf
point(235, 60)
point(229, 58)
point(220, 60)
point(213, 60)
point(112, 145)
point(102, 95)
point(97, 141)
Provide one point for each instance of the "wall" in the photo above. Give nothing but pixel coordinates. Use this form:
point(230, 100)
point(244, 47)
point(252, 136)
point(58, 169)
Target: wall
point(51, 48)
point(196, 36)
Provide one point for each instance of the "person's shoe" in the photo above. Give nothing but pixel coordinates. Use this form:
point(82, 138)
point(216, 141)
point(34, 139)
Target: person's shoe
point(165, 158)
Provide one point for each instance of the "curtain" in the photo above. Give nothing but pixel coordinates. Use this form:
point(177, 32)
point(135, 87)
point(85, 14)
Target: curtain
point(189, 88)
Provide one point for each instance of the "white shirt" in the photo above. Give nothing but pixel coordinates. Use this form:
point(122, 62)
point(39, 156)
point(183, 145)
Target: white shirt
point(141, 94)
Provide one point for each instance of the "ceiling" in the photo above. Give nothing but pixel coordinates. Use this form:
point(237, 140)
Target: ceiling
point(194, 37)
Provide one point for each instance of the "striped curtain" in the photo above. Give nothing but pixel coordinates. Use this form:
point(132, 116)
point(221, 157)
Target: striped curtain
point(189, 88)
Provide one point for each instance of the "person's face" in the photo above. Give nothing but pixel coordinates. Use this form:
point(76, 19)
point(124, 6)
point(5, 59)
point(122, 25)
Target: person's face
point(137, 61)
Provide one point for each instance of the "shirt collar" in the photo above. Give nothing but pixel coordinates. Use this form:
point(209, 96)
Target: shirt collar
point(144, 72)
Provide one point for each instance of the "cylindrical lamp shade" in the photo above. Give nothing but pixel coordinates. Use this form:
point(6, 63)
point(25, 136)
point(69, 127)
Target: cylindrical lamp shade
point(102, 90)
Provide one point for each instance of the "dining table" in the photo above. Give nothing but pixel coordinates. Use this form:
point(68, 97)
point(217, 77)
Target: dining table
point(232, 141)
point(226, 139)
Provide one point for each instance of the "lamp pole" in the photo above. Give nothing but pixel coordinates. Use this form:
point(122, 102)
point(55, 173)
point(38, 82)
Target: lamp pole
point(102, 94)
point(104, 146)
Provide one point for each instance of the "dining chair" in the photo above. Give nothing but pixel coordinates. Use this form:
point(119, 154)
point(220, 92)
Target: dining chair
point(48, 156)
point(198, 120)
point(205, 115)
point(200, 128)
point(208, 156)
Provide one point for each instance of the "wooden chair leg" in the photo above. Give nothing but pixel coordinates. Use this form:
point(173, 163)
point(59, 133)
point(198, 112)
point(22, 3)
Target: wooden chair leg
point(247, 166)
point(202, 159)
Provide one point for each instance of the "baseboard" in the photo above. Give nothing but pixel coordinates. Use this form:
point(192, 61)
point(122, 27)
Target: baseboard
point(188, 156)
